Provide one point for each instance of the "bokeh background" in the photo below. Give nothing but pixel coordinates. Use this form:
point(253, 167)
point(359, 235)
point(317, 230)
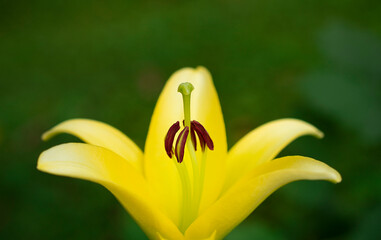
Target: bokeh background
point(317, 60)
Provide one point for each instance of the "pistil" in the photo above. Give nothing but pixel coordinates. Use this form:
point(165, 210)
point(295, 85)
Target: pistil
point(191, 193)
point(186, 89)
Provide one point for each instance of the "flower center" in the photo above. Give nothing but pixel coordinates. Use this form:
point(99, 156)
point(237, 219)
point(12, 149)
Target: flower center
point(192, 127)
point(191, 185)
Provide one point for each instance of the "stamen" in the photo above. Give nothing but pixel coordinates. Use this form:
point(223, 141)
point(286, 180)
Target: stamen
point(170, 137)
point(180, 144)
point(200, 137)
point(202, 134)
point(177, 143)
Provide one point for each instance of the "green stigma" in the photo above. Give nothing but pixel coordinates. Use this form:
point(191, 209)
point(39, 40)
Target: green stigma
point(185, 88)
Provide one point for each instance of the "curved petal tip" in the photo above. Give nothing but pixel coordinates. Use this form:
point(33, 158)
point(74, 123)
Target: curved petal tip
point(47, 135)
point(319, 134)
point(336, 177)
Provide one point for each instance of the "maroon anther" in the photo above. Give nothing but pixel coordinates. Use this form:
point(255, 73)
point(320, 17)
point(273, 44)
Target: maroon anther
point(179, 149)
point(193, 137)
point(195, 128)
point(170, 137)
point(202, 134)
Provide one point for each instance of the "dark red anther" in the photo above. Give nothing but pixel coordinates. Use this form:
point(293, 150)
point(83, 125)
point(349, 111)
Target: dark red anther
point(177, 143)
point(195, 128)
point(200, 137)
point(170, 137)
point(179, 149)
point(203, 135)
point(193, 136)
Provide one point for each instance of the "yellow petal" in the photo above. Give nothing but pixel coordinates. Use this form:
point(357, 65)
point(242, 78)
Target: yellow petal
point(100, 134)
point(160, 171)
point(212, 237)
point(241, 199)
point(102, 166)
point(263, 144)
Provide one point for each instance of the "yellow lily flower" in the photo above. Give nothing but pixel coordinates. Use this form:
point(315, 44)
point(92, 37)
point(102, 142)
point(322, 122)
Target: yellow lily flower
point(211, 191)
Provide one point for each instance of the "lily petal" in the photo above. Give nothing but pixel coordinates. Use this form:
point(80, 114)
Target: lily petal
point(263, 144)
point(212, 237)
point(97, 164)
point(241, 199)
point(160, 170)
point(100, 134)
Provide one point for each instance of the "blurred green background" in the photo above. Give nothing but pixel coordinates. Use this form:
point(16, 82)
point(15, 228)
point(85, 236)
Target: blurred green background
point(319, 61)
